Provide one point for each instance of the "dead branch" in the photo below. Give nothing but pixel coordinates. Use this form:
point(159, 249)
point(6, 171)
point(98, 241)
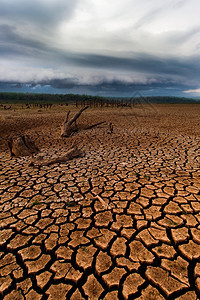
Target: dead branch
point(77, 115)
point(72, 153)
point(66, 120)
point(22, 146)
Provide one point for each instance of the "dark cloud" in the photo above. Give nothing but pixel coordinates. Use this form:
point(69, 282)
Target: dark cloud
point(116, 85)
point(104, 88)
point(42, 14)
point(13, 44)
point(62, 83)
point(142, 62)
point(164, 71)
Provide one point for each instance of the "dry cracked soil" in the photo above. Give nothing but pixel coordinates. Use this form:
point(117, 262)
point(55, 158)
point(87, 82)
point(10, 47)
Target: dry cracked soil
point(121, 222)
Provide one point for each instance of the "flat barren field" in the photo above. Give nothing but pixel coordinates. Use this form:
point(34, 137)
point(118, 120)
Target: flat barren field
point(120, 222)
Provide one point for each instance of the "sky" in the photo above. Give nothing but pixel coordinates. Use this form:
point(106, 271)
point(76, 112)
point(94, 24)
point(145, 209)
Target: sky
point(106, 48)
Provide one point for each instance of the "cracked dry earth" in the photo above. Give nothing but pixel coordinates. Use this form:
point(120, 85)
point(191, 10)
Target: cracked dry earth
point(59, 241)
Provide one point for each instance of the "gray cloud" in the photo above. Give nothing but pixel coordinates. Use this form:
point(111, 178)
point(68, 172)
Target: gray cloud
point(142, 62)
point(36, 49)
point(112, 84)
point(182, 37)
point(12, 43)
point(104, 88)
point(41, 13)
point(15, 43)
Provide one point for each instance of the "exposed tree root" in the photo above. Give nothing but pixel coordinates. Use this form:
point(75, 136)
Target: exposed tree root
point(72, 153)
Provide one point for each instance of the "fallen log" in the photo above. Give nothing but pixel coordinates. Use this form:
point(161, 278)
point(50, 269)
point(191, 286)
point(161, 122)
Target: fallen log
point(72, 153)
point(22, 146)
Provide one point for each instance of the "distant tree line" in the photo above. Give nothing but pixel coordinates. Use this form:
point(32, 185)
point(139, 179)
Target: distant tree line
point(92, 101)
point(35, 98)
point(170, 99)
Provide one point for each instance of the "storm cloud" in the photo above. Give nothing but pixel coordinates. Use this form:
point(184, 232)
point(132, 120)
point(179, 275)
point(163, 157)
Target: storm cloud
point(44, 14)
point(114, 47)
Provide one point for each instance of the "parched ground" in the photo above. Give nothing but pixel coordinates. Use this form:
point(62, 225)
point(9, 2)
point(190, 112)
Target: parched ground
point(139, 240)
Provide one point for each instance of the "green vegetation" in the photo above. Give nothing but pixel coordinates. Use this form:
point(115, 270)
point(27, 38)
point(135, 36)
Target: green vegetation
point(35, 202)
point(29, 98)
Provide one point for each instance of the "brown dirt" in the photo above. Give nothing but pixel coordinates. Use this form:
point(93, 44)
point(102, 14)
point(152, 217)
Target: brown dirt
point(58, 240)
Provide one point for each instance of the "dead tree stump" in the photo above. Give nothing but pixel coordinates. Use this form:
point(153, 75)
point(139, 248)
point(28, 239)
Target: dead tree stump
point(70, 126)
point(22, 146)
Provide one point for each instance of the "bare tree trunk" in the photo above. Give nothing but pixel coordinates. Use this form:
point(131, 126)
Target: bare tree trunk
point(22, 146)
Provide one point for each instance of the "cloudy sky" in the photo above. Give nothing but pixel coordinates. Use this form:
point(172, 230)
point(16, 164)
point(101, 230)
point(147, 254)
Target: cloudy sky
point(107, 47)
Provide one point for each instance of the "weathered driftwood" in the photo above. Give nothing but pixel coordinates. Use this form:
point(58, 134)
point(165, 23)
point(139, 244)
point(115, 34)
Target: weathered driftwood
point(72, 153)
point(70, 126)
point(22, 146)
